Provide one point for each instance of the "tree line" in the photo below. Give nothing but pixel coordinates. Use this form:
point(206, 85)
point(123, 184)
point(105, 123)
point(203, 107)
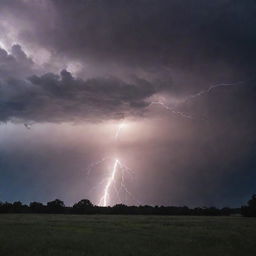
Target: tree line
point(86, 207)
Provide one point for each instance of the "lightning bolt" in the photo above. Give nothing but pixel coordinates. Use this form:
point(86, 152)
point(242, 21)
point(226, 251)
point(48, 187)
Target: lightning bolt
point(111, 179)
point(173, 109)
point(211, 88)
point(118, 131)
point(104, 201)
point(121, 169)
point(118, 173)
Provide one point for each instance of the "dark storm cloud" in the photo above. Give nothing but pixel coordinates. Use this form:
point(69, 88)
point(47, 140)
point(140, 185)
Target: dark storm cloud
point(177, 34)
point(207, 41)
point(63, 98)
point(15, 64)
point(170, 47)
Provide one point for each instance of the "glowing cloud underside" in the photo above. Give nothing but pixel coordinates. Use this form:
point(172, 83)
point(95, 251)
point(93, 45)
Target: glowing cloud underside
point(119, 168)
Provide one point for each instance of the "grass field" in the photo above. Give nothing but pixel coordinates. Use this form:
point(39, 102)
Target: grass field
point(126, 235)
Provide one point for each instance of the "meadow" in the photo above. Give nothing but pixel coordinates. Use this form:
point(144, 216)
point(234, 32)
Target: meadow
point(110, 235)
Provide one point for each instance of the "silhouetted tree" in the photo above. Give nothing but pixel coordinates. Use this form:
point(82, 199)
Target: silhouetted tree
point(83, 206)
point(120, 209)
point(36, 207)
point(250, 209)
point(225, 211)
point(1, 207)
point(56, 206)
point(6, 207)
point(18, 207)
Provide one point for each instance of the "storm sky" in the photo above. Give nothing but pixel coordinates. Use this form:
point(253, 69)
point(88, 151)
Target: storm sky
point(180, 76)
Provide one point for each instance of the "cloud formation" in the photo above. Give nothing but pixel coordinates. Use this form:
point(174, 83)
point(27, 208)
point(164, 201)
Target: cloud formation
point(15, 64)
point(149, 34)
point(62, 97)
point(90, 60)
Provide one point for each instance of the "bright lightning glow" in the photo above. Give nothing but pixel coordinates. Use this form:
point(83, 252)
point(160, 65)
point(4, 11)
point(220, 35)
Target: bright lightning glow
point(119, 129)
point(3, 46)
point(104, 199)
point(119, 170)
point(119, 173)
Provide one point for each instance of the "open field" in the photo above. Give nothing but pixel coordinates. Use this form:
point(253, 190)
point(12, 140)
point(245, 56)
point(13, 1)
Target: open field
point(126, 235)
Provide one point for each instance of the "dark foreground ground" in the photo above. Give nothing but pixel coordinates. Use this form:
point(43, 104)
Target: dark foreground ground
point(126, 235)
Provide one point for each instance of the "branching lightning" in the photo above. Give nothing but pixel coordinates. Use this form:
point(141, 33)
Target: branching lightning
point(176, 112)
point(120, 169)
point(211, 88)
point(104, 199)
point(173, 109)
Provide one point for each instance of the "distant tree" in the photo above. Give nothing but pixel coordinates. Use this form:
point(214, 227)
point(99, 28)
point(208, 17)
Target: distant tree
point(17, 207)
point(250, 209)
point(84, 203)
point(1, 207)
point(120, 209)
point(83, 206)
point(210, 211)
point(252, 202)
point(7, 207)
point(36, 207)
point(55, 206)
point(225, 211)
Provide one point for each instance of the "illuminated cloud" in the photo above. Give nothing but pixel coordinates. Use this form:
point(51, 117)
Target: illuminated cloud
point(69, 64)
point(64, 98)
